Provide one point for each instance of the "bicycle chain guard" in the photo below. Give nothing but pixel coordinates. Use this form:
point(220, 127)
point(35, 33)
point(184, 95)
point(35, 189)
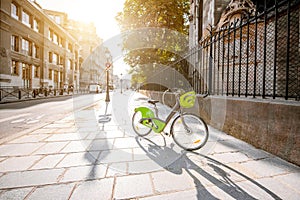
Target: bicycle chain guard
point(147, 114)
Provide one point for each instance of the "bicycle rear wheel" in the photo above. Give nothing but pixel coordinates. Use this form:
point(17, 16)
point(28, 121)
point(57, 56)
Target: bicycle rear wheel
point(189, 131)
point(138, 127)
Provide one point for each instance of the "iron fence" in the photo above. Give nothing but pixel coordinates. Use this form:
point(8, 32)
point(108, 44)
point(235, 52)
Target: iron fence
point(257, 55)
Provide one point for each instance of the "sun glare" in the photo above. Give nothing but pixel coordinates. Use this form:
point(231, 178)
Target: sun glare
point(101, 13)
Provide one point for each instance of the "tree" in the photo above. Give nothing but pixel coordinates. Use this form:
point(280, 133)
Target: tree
point(155, 32)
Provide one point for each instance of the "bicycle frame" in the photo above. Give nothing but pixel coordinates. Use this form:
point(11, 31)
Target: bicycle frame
point(152, 121)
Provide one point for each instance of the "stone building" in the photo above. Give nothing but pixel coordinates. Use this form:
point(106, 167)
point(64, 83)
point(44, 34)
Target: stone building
point(35, 50)
point(252, 49)
point(88, 40)
point(247, 57)
point(203, 13)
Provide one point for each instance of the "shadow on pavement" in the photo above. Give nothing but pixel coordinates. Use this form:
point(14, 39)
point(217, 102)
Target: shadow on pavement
point(225, 183)
point(93, 139)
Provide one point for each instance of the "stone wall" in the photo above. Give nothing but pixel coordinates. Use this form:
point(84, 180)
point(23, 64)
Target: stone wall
point(273, 126)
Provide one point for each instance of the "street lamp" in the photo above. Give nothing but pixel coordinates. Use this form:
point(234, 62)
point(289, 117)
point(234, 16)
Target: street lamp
point(105, 118)
point(107, 67)
point(121, 80)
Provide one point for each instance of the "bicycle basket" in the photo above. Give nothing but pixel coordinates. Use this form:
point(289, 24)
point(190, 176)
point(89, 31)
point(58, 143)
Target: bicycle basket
point(187, 100)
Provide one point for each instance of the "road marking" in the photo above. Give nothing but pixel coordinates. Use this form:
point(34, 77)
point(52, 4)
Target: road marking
point(28, 121)
point(17, 121)
point(32, 121)
point(39, 117)
point(14, 117)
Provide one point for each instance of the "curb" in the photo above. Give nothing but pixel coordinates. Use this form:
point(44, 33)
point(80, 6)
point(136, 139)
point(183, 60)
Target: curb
point(39, 98)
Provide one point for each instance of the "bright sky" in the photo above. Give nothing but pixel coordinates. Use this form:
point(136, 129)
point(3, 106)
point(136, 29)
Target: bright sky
point(101, 12)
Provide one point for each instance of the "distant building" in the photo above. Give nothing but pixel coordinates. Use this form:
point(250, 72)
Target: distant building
point(35, 51)
point(88, 40)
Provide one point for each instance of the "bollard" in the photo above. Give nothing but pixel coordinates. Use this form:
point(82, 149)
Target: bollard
point(0, 95)
point(34, 93)
point(54, 92)
point(46, 93)
point(20, 94)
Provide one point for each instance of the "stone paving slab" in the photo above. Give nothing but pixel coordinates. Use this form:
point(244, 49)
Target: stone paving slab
point(62, 137)
point(19, 149)
point(58, 192)
point(18, 163)
point(90, 172)
point(16, 194)
point(30, 139)
point(280, 188)
point(30, 178)
point(133, 186)
point(98, 189)
point(48, 161)
point(167, 181)
point(50, 148)
point(79, 158)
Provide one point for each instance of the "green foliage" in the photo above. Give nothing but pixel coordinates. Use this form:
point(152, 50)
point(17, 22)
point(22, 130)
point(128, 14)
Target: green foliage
point(161, 25)
point(171, 14)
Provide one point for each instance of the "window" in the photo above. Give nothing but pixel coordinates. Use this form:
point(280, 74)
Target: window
point(61, 60)
point(14, 11)
point(70, 47)
point(14, 43)
point(36, 25)
point(14, 68)
point(62, 42)
point(56, 76)
point(25, 71)
point(69, 64)
point(50, 34)
point(50, 74)
point(50, 57)
point(37, 51)
point(55, 38)
point(61, 76)
point(25, 18)
point(34, 51)
point(36, 71)
point(54, 58)
point(25, 47)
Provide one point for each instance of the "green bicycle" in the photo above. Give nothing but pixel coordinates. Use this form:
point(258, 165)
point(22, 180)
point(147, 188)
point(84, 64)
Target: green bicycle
point(189, 131)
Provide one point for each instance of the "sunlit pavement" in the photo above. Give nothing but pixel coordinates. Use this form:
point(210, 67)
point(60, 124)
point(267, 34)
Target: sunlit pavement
point(79, 158)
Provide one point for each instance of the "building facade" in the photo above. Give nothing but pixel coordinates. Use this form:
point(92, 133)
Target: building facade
point(86, 35)
point(35, 51)
point(88, 40)
point(203, 14)
point(247, 58)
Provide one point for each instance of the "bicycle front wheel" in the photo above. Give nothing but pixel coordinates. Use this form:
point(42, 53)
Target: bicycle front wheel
point(137, 126)
point(189, 131)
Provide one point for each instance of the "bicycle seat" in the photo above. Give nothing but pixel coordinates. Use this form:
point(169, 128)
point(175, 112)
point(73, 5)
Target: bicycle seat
point(153, 101)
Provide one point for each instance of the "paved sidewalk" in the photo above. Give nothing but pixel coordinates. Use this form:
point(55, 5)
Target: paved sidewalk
point(80, 158)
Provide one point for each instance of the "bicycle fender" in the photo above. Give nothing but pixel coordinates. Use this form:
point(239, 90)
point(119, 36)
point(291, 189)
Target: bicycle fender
point(148, 113)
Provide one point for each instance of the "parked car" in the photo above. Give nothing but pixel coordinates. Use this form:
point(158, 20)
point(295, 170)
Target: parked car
point(95, 88)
